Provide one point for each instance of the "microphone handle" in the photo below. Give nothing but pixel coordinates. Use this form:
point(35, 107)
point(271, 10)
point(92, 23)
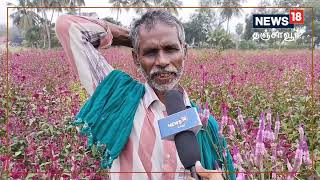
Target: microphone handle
point(194, 173)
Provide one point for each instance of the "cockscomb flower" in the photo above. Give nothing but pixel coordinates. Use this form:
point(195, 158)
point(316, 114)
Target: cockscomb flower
point(224, 114)
point(268, 133)
point(241, 121)
point(260, 147)
point(289, 166)
point(304, 146)
point(204, 115)
point(259, 152)
point(276, 127)
point(203, 78)
point(236, 156)
point(274, 153)
point(299, 153)
point(301, 132)
point(224, 119)
point(306, 157)
point(260, 135)
point(241, 175)
point(231, 128)
point(298, 158)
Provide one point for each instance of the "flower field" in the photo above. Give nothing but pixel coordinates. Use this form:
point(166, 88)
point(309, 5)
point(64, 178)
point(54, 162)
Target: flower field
point(261, 100)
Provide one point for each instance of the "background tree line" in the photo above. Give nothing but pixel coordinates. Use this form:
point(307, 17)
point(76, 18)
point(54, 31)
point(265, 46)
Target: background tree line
point(207, 27)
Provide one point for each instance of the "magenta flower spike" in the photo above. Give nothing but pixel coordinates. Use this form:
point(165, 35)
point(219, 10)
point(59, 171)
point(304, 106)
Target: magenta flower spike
point(274, 153)
point(260, 147)
point(204, 115)
point(306, 157)
point(240, 119)
point(277, 127)
point(241, 175)
point(231, 127)
point(289, 166)
point(224, 119)
point(297, 161)
point(260, 136)
point(269, 135)
point(304, 147)
point(237, 156)
point(301, 132)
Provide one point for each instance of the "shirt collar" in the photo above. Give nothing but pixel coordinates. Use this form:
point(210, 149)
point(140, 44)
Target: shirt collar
point(150, 96)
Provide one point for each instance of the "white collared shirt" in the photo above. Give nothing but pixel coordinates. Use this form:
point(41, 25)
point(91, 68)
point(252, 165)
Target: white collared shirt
point(145, 151)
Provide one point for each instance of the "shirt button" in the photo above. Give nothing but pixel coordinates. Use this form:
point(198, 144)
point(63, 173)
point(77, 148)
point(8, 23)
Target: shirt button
point(168, 156)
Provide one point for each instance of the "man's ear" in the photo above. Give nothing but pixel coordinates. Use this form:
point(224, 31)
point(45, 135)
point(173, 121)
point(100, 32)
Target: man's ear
point(135, 58)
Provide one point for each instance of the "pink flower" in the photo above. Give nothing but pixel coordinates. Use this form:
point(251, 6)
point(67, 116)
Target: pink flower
point(259, 152)
point(241, 122)
point(231, 127)
point(204, 115)
point(289, 166)
point(237, 156)
point(260, 135)
point(268, 133)
point(260, 147)
point(231, 130)
point(240, 118)
point(277, 127)
point(233, 77)
point(241, 176)
point(274, 153)
point(224, 119)
point(306, 157)
point(297, 159)
point(301, 132)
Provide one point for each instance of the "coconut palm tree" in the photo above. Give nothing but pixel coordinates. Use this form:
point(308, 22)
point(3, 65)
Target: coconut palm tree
point(43, 12)
point(119, 4)
point(170, 5)
point(73, 3)
point(227, 12)
point(139, 4)
point(53, 3)
point(23, 17)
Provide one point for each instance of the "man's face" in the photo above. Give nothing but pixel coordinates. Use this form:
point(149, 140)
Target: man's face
point(160, 56)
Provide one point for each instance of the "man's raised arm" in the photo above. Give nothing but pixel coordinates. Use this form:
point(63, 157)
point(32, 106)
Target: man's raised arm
point(80, 37)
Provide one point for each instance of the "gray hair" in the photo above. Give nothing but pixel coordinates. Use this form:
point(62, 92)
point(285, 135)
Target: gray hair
point(149, 19)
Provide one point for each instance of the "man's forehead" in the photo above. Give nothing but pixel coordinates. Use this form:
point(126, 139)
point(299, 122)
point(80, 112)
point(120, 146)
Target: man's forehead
point(147, 28)
point(167, 33)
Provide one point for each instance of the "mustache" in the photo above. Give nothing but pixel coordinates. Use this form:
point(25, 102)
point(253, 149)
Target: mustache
point(156, 71)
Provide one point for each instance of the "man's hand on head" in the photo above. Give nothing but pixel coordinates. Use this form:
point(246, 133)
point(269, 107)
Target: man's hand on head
point(120, 35)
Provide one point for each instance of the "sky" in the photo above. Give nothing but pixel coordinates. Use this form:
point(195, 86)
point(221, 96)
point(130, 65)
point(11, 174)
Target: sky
point(126, 17)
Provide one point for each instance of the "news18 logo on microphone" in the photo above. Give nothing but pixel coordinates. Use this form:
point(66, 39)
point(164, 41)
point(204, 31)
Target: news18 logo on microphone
point(278, 20)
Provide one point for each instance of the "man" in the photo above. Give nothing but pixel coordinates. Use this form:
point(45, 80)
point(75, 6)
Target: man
point(122, 113)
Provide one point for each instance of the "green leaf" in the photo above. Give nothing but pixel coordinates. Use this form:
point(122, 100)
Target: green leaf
point(2, 132)
point(17, 153)
point(51, 129)
point(94, 151)
point(30, 175)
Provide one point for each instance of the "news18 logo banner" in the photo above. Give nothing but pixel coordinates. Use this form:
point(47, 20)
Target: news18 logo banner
point(278, 20)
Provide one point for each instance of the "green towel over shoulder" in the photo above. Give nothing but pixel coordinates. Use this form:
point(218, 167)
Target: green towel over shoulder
point(107, 119)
